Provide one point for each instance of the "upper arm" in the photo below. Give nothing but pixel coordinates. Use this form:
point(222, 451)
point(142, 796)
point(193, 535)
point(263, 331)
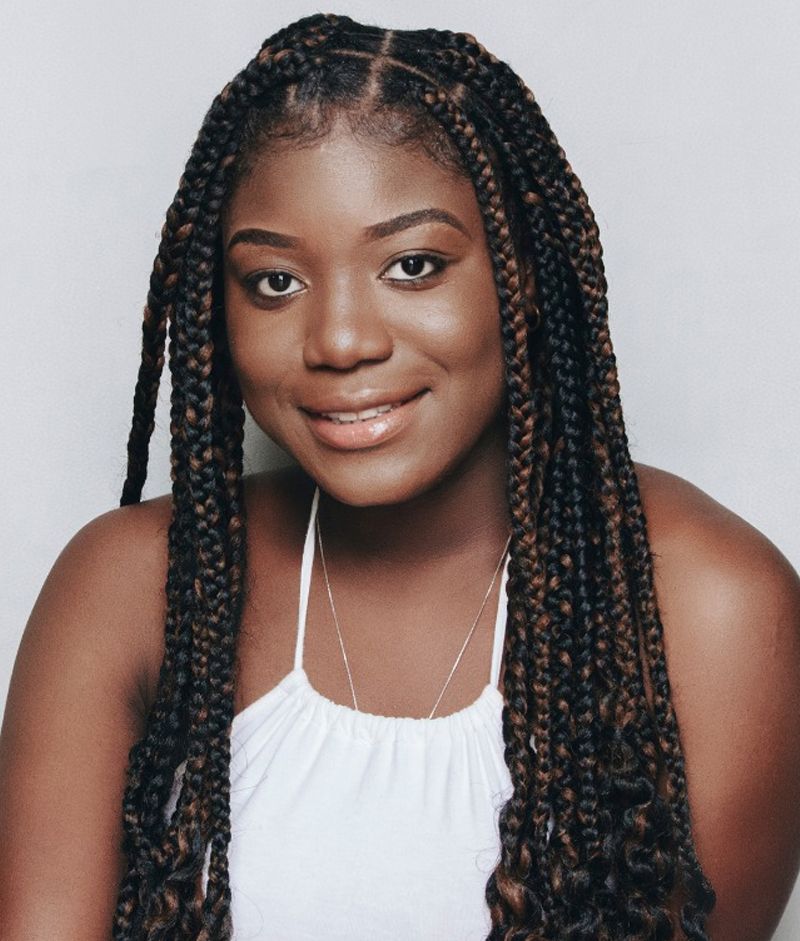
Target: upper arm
point(730, 605)
point(73, 713)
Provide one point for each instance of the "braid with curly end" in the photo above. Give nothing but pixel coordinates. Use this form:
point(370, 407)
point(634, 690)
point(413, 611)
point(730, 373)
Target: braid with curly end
point(465, 55)
point(511, 878)
point(566, 462)
point(588, 845)
point(569, 732)
point(194, 703)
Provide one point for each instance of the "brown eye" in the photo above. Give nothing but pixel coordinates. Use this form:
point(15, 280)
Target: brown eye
point(272, 284)
point(416, 267)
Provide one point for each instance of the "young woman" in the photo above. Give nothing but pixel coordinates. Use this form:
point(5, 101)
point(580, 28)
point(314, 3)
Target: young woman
point(415, 686)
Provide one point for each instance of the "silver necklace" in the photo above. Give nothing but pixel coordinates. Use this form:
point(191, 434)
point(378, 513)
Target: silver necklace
point(463, 646)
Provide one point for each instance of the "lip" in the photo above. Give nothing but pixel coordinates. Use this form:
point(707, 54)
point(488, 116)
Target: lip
point(354, 436)
point(367, 398)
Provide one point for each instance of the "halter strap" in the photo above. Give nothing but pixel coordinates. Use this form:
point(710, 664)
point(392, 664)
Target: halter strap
point(307, 564)
point(305, 581)
point(500, 627)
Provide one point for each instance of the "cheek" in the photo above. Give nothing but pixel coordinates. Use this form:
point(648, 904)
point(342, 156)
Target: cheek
point(482, 385)
point(463, 333)
point(254, 361)
point(261, 358)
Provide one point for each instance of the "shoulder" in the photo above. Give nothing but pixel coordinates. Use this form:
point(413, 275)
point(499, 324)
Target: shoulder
point(104, 594)
point(84, 677)
point(95, 636)
point(73, 712)
point(713, 567)
point(730, 607)
point(106, 589)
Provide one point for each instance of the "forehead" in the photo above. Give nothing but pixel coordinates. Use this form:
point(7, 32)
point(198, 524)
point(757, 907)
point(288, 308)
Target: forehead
point(348, 179)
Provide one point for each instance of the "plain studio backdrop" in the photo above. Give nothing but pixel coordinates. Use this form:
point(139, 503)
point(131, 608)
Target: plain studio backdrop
point(680, 120)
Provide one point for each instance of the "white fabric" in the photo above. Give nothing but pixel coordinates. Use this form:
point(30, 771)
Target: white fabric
point(348, 825)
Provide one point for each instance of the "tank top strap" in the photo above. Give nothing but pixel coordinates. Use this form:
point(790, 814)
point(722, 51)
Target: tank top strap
point(307, 564)
point(305, 580)
point(500, 627)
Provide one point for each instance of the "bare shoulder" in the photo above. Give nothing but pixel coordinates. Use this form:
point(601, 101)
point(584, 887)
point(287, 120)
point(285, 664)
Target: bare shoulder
point(103, 604)
point(105, 592)
point(84, 677)
point(679, 512)
point(730, 605)
point(74, 710)
point(114, 569)
point(715, 570)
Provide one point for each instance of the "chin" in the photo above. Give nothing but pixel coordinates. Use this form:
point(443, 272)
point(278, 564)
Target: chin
point(363, 485)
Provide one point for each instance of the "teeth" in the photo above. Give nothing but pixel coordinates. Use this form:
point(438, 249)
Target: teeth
point(346, 417)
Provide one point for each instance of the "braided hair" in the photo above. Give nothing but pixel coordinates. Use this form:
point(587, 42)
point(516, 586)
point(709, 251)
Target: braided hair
point(596, 838)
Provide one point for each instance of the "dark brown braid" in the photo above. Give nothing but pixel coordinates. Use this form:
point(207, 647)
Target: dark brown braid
point(596, 835)
point(493, 75)
point(565, 195)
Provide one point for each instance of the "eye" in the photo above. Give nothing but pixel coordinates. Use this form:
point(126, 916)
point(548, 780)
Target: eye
point(272, 284)
point(413, 267)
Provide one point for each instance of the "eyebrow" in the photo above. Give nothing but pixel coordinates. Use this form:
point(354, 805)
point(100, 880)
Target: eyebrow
point(409, 219)
point(380, 230)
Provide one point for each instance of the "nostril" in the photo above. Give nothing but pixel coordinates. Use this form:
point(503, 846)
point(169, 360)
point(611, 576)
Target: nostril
point(343, 347)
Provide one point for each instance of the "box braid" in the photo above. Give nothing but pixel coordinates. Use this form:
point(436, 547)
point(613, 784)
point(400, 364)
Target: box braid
point(563, 193)
point(585, 751)
point(158, 896)
point(566, 373)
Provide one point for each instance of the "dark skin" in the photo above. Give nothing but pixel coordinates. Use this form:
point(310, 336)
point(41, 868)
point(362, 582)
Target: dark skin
point(393, 515)
point(352, 326)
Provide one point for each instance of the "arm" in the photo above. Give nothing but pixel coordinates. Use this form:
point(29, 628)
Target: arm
point(730, 605)
point(75, 708)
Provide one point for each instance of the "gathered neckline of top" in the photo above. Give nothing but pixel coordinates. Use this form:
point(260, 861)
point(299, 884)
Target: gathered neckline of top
point(487, 708)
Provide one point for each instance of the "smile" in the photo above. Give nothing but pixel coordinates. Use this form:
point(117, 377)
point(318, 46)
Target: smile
point(344, 418)
point(352, 431)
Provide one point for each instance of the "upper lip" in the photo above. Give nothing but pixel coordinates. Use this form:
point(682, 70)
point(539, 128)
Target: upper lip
point(360, 401)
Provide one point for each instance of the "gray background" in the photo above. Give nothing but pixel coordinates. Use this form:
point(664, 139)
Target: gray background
point(680, 119)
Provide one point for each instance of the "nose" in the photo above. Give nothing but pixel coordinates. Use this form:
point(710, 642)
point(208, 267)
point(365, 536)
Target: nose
point(347, 327)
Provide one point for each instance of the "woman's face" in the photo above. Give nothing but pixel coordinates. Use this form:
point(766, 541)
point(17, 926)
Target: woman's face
point(357, 277)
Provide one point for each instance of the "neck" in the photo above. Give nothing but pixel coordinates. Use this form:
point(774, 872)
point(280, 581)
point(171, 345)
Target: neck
point(463, 513)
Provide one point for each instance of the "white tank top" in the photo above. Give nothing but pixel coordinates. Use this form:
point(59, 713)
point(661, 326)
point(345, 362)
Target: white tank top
point(346, 824)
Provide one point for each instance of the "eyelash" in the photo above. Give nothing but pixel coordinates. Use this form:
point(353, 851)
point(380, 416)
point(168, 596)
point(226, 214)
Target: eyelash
point(439, 264)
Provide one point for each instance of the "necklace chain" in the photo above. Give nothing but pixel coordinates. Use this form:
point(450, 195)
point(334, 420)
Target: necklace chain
point(463, 646)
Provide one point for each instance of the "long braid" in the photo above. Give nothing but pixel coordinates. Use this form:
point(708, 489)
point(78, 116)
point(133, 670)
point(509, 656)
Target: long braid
point(153, 758)
point(701, 896)
point(206, 549)
point(480, 63)
point(580, 742)
point(511, 877)
point(165, 717)
point(565, 548)
point(641, 746)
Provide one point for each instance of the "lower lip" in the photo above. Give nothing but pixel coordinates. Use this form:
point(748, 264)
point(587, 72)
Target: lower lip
point(353, 436)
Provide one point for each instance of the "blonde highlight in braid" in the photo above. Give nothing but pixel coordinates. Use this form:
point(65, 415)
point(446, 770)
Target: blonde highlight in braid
point(591, 849)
